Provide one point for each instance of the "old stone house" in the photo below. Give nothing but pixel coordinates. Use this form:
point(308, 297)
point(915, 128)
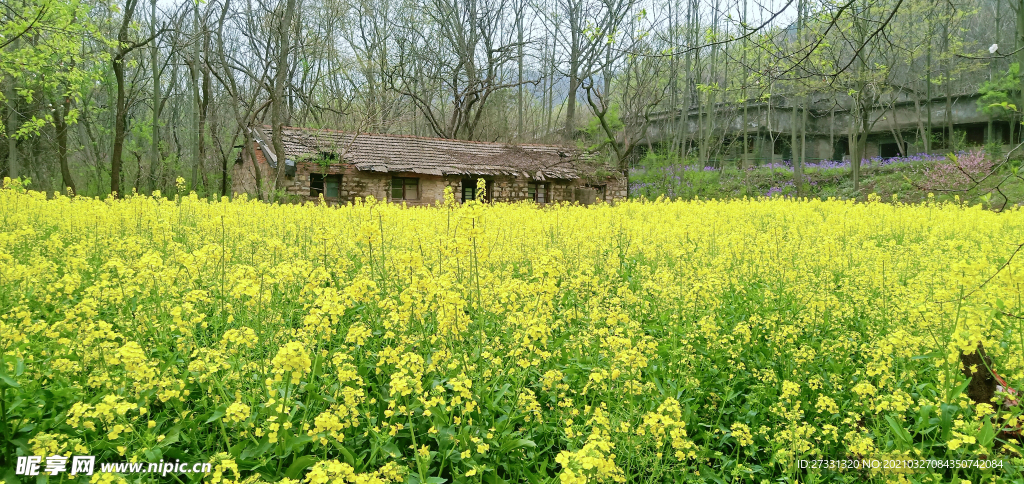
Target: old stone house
point(342, 166)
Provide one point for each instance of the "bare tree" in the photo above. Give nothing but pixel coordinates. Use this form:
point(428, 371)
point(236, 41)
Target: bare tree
point(589, 23)
point(463, 54)
point(635, 93)
point(125, 46)
point(284, 21)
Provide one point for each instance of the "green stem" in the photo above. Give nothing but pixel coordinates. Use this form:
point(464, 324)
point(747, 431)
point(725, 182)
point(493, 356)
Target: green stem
point(3, 418)
point(416, 451)
point(224, 433)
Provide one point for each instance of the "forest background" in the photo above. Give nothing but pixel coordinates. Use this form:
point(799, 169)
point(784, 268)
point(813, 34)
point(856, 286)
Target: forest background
point(101, 98)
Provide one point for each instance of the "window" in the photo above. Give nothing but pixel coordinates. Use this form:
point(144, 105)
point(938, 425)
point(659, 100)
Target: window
point(405, 188)
point(889, 150)
point(841, 149)
point(782, 147)
point(471, 185)
point(329, 185)
point(537, 192)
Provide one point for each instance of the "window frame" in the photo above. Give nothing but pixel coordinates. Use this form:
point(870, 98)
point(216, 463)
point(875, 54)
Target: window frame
point(404, 179)
point(488, 187)
point(337, 192)
point(318, 185)
point(535, 188)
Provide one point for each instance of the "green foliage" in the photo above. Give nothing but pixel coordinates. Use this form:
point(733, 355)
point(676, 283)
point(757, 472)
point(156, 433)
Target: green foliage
point(995, 98)
point(47, 56)
point(669, 176)
point(597, 135)
point(674, 176)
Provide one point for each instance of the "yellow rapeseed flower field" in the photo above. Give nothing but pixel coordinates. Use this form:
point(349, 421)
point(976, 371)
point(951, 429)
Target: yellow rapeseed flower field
point(648, 341)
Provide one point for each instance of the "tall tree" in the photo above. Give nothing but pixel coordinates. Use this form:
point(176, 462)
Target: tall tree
point(589, 23)
point(123, 47)
point(464, 54)
point(284, 19)
point(44, 57)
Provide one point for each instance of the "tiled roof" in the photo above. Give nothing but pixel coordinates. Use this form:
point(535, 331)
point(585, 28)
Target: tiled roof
point(429, 156)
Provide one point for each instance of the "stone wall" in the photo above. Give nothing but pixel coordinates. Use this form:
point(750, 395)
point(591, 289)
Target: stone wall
point(362, 184)
point(354, 183)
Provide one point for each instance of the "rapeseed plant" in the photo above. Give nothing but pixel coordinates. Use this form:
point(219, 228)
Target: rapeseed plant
point(646, 341)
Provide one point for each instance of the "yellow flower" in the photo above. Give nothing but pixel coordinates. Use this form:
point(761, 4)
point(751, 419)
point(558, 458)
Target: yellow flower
point(293, 361)
point(236, 412)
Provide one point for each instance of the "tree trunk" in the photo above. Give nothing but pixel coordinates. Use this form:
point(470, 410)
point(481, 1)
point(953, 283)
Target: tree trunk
point(120, 121)
point(803, 141)
point(1018, 41)
point(12, 125)
point(570, 101)
point(799, 123)
point(519, 52)
point(121, 106)
point(920, 119)
point(204, 108)
point(61, 126)
point(745, 162)
point(154, 148)
point(928, 86)
point(673, 16)
point(832, 132)
point(278, 113)
point(947, 82)
point(684, 120)
point(796, 148)
point(550, 85)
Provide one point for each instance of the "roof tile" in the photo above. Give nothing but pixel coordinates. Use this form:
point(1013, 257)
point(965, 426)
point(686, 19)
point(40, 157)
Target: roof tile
point(431, 156)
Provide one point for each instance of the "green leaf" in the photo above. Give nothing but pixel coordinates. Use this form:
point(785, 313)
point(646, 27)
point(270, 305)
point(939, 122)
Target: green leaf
point(172, 436)
point(300, 464)
point(317, 367)
point(296, 444)
point(517, 444)
point(8, 381)
point(498, 396)
point(899, 430)
point(707, 473)
point(11, 477)
point(236, 449)
point(216, 415)
point(346, 454)
point(493, 478)
point(986, 434)
point(392, 449)
point(958, 390)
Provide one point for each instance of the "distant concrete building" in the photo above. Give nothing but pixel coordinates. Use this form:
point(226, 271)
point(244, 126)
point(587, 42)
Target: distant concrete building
point(896, 127)
point(342, 166)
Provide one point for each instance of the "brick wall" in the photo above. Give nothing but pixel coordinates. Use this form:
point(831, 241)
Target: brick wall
point(243, 175)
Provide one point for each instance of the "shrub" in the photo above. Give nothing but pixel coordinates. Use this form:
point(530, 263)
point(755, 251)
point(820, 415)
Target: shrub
point(958, 172)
